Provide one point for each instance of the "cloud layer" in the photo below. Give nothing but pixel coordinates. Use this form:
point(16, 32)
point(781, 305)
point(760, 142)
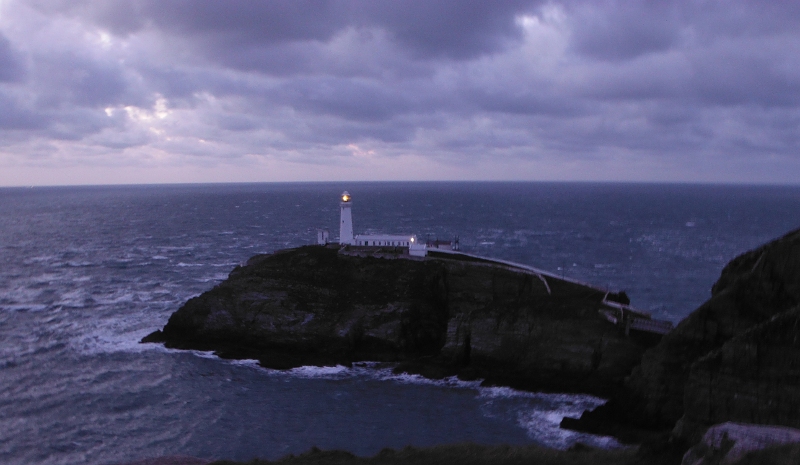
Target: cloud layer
point(191, 90)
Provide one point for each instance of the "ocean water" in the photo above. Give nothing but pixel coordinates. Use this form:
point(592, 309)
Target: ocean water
point(86, 272)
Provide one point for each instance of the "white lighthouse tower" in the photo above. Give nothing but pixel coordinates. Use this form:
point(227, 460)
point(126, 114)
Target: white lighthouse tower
point(346, 220)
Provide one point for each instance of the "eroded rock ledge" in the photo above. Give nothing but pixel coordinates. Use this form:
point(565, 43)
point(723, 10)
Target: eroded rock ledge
point(316, 305)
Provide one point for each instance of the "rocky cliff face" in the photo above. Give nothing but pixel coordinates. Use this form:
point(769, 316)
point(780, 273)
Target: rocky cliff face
point(753, 378)
point(316, 305)
point(753, 289)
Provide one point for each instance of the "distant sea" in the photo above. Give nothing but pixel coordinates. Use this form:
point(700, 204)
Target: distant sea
point(86, 272)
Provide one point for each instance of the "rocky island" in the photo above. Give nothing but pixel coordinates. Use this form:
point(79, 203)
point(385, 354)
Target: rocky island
point(438, 315)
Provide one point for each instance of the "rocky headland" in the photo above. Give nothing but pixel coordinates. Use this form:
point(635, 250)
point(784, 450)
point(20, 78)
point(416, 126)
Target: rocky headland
point(440, 315)
point(736, 358)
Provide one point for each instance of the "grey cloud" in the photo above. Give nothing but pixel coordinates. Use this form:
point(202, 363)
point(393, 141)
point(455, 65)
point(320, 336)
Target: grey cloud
point(346, 98)
point(237, 122)
point(344, 132)
point(710, 21)
point(177, 83)
point(524, 103)
point(14, 116)
point(450, 28)
point(616, 30)
point(84, 82)
point(244, 20)
point(11, 66)
point(76, 124)
point(435, 79)
point(454, 29)
point(751, 73)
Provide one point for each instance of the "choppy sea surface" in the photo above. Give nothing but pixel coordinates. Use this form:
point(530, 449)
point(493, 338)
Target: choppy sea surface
point(86, 272)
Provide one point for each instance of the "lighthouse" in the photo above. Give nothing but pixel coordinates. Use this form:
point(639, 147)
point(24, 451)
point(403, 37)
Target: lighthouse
point(346, 220)
point(393, 241)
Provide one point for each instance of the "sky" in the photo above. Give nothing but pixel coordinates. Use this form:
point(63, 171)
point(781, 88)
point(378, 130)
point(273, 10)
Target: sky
point(172, 91)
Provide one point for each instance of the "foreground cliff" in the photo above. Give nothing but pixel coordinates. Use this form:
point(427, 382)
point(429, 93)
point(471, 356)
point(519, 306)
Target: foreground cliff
point(753, 378)
point(735, 358)
point(318, 305)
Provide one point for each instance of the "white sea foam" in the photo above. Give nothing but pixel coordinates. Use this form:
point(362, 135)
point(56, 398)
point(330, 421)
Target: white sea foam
point(45, 278)
point(39, 258)
point(73, 298)
point(209, 354)
point(376, 371)
point(117, 298)
point(170, 248)
point(543, 425)
point(215, 277)
point(319, 372)
point(249, 363)
point(450, 382)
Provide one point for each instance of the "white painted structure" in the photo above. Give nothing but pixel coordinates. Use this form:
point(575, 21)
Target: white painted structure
point(386, 240)
point(371, 240)
point(346, 220)
point(323, 236)
point(417, 249)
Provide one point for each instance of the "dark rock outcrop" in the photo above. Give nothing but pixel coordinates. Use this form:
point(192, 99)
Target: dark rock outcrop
point(436, 316)
point(730, 443)
point(758, 287)
point(753, 378)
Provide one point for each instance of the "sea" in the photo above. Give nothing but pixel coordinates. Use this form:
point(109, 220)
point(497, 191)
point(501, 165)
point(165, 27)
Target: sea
point(86, 272)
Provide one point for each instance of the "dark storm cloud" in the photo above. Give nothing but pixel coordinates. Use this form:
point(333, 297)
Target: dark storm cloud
point(449, 28)
point(623, 30)
point(241, 20)
point(233, 30)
